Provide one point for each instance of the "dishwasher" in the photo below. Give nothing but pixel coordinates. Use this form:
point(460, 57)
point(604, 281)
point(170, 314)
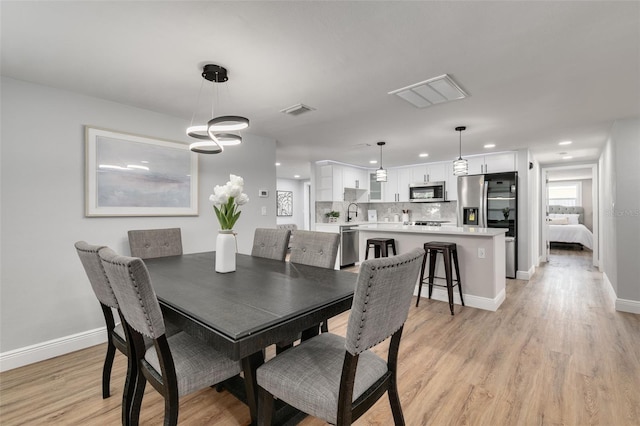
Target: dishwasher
point(349, 252)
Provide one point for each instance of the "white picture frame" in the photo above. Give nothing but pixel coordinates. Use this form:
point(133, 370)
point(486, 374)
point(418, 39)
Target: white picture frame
point(132, 175)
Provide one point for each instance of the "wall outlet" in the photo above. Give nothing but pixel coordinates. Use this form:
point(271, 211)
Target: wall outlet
point(481, 252)
point(264, 210)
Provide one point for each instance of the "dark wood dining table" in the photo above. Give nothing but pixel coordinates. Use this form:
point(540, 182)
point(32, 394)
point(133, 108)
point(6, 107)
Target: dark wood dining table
point(262, 303)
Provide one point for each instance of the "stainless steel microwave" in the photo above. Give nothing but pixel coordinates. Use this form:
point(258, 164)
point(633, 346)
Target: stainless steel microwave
point(427, 192)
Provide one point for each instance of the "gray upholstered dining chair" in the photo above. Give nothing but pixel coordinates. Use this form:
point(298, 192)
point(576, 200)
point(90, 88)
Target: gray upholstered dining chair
point(151, 243)
point(315, 248)
point(175, 366)
point(271, 243)
point(338, 379)
point(100, 284)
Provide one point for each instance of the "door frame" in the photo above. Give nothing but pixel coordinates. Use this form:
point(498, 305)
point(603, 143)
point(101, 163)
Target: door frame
point(595, 184)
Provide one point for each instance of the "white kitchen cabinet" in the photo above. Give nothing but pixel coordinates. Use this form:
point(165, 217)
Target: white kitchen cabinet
point(492, 163)
point(390, 187)
point(429, 172)
point(451, 182)
point(332, 179)
point(375, 188)
point(405, 178)
point(338, 187)
point(396, 188)
point(354, 177)
point(324, 183)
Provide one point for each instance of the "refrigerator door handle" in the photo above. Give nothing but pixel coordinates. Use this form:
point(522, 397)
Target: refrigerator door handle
point(485, 193)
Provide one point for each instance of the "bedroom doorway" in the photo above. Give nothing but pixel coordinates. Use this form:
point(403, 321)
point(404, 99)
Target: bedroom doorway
point(570, 190)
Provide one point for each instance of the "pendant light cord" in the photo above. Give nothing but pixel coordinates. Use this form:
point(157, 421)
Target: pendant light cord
point(193, 116)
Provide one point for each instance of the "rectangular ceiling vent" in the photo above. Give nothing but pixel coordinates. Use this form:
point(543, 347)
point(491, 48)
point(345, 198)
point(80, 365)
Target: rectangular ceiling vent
point(297, 109)
point(430, 92)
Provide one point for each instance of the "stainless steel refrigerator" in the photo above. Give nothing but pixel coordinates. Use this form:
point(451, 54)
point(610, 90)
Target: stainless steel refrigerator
point(491, 201)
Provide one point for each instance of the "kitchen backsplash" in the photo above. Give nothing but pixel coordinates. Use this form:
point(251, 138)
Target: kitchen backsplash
point(417, 211)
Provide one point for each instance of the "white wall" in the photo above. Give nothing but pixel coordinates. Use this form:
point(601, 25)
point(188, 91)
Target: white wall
point(621, 213)
point(297, 187)
point(44, 292)
point(526, 216)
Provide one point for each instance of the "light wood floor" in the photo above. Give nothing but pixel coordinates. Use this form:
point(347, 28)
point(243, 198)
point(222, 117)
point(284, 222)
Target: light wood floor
point(556, 352)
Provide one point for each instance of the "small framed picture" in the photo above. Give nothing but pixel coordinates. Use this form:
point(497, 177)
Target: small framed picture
point(284, 203)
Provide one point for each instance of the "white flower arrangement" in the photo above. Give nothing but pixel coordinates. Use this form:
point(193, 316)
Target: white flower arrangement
point(228, 197)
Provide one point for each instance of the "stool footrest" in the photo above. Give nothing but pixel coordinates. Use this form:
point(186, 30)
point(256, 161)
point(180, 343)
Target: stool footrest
point(439, 284)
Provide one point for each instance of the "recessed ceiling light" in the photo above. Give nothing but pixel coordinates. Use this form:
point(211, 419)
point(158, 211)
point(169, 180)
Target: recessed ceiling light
point(373, 162)
point(565, 143)
point(296, 176)
point(567, 157)
point(277, 164)
point(424, 154)
point(490, 145)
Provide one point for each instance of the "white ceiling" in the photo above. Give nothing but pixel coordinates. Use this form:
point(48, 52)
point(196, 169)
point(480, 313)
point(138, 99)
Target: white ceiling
point(536, 73)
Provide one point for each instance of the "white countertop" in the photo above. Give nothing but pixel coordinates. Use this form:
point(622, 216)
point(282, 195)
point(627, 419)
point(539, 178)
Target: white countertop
point(471, 231)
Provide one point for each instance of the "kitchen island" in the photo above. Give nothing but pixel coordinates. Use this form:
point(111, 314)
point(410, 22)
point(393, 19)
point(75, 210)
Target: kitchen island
point(481, 254)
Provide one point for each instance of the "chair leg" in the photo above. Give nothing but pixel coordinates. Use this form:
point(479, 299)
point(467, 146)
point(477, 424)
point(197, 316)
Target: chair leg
point(449, 277)
point(455, 263)
point(106, 369)
point(424, 262)
point(394, 401)
point(324, 327)
point(171, 406)
point(433, 255)
point(136, 403)
point(265, 406)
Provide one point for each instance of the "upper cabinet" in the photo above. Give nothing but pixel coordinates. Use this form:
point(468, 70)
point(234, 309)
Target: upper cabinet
point(337, 182)
point(332, 179)
point(396, 188)
point(353, 177)
point(492, 163)
point(324, 183)
point(375, 188)
point(431, 172)
point(451, 180)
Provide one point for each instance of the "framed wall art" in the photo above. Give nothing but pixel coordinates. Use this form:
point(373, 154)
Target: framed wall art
point(284, 203)
point(131, 175)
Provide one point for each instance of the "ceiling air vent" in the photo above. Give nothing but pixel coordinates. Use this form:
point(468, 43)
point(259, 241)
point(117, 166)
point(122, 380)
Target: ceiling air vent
point(297, 109)
point(430, 92)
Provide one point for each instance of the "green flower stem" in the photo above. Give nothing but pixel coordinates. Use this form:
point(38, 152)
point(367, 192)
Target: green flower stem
point(227, 214)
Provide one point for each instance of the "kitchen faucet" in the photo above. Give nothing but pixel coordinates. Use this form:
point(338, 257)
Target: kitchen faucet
point(348, 211)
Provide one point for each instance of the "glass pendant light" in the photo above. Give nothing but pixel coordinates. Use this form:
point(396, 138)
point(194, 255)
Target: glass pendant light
point(381, 174)
point(460, 166)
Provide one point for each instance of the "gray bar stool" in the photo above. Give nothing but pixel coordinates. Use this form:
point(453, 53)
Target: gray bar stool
point(449, 251)
point(380, 247)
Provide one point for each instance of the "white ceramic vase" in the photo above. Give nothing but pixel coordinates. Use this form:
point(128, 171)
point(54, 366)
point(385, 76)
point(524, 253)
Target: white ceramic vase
point(225, 251)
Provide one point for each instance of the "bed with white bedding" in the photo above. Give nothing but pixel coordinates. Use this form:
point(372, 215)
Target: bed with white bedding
point(566, 226)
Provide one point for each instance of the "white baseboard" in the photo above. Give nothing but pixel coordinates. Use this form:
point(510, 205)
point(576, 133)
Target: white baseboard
point(621, 305)
point(526, 275)
point(52, 348)
point(469, 299)
point(626, 305)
